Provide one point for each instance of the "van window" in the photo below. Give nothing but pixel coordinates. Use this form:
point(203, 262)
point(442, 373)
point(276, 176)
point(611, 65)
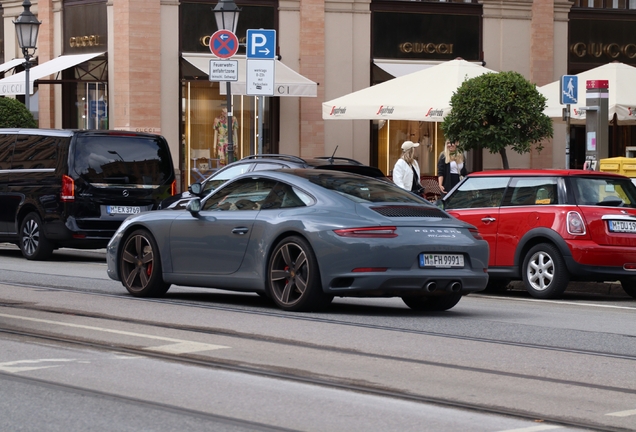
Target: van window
point(35, 152)
point(126, 160)
point(6, 151)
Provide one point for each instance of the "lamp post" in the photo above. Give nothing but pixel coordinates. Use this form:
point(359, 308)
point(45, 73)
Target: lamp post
point(27, 27)
point(226, 14)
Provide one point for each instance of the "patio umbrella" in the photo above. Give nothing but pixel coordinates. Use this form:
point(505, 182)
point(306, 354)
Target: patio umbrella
point(622, 94)
point(420, 96)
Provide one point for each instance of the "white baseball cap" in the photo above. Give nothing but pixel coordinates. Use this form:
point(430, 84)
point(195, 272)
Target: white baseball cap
point(408, 145)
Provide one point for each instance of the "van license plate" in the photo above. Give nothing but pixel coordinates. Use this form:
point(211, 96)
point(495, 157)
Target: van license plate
point(123, 209)
point(622, 226)
point(442, 260)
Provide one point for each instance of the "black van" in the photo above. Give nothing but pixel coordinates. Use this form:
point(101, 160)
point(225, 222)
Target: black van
point(73, 188)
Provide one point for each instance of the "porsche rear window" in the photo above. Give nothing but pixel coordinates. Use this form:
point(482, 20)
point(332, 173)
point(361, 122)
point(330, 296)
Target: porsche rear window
point(363, 189)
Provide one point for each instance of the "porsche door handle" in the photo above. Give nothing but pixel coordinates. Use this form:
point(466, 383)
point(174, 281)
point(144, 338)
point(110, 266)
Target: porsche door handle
point(488, 220)
point(240, 230)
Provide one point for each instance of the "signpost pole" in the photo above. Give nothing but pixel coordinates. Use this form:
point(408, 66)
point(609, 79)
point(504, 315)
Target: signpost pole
point(261, 111)
point(230, 131)
point(568, 94)
point(567, 136)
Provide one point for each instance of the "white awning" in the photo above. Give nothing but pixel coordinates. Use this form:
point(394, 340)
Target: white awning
point(11, 64)
point(287, 82)
point(14, 84)
point(398, 68)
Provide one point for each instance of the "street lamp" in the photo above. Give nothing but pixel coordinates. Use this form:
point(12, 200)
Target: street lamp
point(226, 14)
point(27, 27)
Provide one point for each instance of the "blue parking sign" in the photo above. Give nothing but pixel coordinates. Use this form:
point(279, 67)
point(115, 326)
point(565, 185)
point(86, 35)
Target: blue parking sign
point(569, 89)
point(261, 44)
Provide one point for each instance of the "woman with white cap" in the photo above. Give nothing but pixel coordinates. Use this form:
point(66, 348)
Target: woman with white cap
point(406, 173)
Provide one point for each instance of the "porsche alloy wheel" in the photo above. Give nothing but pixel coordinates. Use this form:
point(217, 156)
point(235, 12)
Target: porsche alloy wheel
point(293, 278)
point(140, 266)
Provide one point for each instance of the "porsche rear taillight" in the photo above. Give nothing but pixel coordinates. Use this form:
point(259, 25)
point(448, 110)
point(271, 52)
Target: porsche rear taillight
point(368, 232)
point(575, 224)
point(475, 233)
point(68, 189)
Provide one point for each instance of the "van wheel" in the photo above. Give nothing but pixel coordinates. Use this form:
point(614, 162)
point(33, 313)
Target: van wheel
point(33, 243)
point(140, 266)
point(544, 272)
point(433, 303)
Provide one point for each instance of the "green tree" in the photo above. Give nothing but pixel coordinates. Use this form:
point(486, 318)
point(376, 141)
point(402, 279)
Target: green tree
point(13, 114)
point(495, 111)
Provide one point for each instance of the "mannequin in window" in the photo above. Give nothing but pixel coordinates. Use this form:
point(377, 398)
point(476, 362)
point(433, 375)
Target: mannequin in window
point(221, 139)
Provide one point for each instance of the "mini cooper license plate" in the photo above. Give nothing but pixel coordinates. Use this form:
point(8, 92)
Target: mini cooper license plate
point(442, 260)
point(123, 209)
point(622, 226)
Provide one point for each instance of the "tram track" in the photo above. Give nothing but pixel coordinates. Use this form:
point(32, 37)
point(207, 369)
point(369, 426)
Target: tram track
point(282, 315)
point(332, 383)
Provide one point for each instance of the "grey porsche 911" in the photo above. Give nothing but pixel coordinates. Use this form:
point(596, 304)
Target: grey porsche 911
point(302, 237)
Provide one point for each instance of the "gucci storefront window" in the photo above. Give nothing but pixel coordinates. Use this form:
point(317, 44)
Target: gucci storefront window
point(407, 37)
point(204, 110)
point(85, 86)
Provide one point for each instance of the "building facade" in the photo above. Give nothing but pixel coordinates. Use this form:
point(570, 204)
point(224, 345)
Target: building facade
point(143, 65)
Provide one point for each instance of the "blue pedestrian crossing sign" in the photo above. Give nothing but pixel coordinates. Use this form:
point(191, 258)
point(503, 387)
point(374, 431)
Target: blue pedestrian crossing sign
point(261, 44)
point(569, 89)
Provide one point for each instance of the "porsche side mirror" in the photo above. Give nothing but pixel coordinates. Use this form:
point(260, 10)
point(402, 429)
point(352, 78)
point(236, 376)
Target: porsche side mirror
point(194, 206)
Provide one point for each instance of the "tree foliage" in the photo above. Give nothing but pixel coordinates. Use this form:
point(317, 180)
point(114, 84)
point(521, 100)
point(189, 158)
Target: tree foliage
point(13, 114)
point(495, 111)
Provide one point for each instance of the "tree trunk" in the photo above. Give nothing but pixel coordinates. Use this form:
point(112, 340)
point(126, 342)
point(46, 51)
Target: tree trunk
point(504, 158)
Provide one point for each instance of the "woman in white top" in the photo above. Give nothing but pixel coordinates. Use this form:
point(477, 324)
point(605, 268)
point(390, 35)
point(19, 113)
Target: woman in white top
point(406, 173)
point(451, 167)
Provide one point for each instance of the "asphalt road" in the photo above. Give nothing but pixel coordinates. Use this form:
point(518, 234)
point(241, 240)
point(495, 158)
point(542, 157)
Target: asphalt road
point(78, 350)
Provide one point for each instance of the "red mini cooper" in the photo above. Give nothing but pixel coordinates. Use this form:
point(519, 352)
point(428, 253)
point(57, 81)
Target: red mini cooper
point(548, 227)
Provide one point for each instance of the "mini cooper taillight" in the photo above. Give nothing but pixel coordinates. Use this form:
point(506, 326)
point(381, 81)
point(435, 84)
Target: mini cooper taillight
point(368, 232)
point(68, 189)
point(575, 223)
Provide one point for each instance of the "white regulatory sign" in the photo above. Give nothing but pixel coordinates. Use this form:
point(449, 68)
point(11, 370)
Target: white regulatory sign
point(223, 70)
point(260, 77)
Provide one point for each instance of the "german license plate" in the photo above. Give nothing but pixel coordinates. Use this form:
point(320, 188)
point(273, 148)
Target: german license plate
point(123, 209)
point(622, 226)
point(441, 260)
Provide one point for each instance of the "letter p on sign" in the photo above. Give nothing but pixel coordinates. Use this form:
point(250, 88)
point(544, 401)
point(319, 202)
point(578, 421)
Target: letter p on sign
point(261, 44)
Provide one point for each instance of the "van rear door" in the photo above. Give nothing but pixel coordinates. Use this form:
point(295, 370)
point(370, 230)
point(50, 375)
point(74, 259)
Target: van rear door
point(118, 174)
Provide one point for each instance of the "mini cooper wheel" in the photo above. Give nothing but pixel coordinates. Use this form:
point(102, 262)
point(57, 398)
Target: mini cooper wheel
point(433, 303)
point(629, 286)
point(140, 266)
point(293, 278)
point(33, 243)
point(544, 272)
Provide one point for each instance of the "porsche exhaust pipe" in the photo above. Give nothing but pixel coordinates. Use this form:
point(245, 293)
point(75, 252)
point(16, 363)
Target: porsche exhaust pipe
point(431, 286)
point(456, 286)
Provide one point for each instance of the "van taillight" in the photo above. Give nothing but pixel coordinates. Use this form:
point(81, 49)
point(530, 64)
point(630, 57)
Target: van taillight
point(68, 189)
point(173, 188)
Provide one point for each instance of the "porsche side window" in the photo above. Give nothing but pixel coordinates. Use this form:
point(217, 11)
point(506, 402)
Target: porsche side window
point(477, 192)
point(244, 194)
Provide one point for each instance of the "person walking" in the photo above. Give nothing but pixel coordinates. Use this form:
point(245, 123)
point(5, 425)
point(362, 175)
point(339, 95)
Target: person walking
point(451, 167)
point(406, 172)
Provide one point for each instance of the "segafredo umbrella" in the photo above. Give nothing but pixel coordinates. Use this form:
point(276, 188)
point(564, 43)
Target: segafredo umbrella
point(420, 96)
point(622, 94)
